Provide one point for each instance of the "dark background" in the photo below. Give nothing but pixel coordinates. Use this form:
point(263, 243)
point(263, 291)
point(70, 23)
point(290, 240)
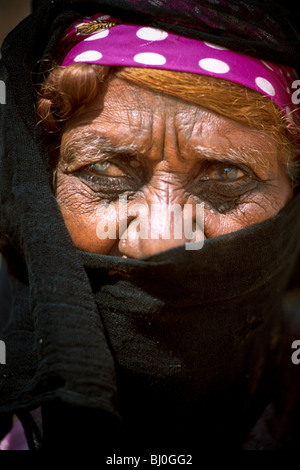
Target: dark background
point(11, 13)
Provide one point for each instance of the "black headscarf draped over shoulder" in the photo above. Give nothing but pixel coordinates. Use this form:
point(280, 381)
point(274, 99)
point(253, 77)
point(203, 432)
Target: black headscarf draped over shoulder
point(56, 344)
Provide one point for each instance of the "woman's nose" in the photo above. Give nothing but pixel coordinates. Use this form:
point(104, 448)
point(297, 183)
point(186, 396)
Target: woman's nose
point(160, 227)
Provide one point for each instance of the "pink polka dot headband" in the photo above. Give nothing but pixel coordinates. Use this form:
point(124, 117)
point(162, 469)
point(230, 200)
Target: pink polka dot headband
point(104, 40)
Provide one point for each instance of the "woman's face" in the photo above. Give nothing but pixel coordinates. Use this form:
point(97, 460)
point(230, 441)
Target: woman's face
point(136, 150)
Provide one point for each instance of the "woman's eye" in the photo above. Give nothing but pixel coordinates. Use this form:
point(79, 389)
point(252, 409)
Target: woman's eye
point(225, 174)
point(106, 168)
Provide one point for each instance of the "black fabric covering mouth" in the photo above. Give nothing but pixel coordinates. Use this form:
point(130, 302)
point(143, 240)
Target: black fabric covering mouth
point(79, 323)
point(196, 336)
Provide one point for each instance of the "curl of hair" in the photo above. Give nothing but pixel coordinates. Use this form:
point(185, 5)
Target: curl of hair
point(68, 90)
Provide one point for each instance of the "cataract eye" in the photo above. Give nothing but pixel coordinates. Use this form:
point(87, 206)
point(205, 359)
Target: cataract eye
point(102, 166)
point(225, 174)
point(106, 168)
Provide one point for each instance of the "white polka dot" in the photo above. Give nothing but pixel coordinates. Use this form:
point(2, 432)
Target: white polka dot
point(216, 46)
point(265, 85)
point(101, 34)
point(151, 34)
point(88, 55)
point(150, 58)
point(103, 17)
point(214, 65)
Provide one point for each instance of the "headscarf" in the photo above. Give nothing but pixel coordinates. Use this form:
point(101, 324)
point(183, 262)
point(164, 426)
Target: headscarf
point(105, 40)
point(102, 343)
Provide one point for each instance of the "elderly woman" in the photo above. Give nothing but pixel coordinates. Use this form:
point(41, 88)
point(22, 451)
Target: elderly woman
point(150, 228)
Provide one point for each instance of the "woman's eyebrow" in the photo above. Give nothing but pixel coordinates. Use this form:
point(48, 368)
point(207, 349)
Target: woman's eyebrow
point(93, 145)
point(244, 154)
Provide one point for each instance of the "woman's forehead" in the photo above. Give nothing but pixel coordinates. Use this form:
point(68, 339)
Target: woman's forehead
point(148, 122)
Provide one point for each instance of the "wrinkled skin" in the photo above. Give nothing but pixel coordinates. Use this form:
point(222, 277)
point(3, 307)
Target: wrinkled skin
point(156, 149)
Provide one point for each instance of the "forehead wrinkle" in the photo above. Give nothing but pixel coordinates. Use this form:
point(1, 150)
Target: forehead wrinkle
point(142, 124)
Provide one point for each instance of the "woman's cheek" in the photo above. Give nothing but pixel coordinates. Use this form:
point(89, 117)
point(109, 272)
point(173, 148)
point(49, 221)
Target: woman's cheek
point(255, 209)
point(216, 224)
point(84, 217)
